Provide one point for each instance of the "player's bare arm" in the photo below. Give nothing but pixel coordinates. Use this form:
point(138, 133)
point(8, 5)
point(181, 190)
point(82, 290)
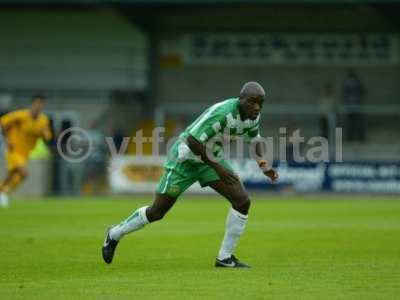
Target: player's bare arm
point(200, 149)
point(263, 164)
point(252, 98)
point(5, 130)
point(46, 134)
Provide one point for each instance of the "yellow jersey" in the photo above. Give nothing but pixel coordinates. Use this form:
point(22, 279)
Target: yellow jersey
point(23, 131)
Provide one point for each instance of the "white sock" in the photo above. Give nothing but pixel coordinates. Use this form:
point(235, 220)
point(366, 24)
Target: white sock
point(4, 202)
point(235, 224)
point(134, 222)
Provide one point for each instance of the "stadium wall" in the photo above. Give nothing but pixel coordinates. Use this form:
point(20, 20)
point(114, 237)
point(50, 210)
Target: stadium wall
point(208, 84)
point(76, 57)
point(178, 81)
point(182, 80)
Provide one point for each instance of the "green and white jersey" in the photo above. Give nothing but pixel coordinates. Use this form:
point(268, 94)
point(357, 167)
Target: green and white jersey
point(219, 124)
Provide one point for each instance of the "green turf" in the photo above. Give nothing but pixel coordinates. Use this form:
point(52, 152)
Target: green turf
point(299, 247)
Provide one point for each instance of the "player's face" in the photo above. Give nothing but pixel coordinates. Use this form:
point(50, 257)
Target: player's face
point(252, 106)
point(37, 106)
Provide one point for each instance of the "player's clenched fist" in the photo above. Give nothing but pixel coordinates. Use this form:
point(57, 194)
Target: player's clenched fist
point(272, 174)
point(268, 171)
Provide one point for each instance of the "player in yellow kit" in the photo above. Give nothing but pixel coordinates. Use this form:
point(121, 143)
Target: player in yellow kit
point(21, 130)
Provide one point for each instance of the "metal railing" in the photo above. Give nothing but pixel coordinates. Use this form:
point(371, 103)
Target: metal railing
point(317, 111)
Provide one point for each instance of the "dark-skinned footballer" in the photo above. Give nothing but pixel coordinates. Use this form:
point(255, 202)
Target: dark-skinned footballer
point(197, 156)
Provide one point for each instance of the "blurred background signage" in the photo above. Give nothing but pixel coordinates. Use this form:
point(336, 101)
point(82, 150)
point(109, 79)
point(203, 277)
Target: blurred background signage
point(285, 48)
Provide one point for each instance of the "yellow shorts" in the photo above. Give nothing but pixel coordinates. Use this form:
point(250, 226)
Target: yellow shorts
point(15, 160)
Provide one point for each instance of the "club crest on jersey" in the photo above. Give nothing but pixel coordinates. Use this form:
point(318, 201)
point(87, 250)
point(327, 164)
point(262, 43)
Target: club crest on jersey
point(174, 189)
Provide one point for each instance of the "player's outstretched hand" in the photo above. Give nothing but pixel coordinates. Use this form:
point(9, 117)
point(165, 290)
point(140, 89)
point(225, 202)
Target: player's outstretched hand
point(272, 174)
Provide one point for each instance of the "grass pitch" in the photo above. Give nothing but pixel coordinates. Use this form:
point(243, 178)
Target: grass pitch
point(299, 247)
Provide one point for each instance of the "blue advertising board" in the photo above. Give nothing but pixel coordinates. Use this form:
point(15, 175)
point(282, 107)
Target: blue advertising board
point(360, 176)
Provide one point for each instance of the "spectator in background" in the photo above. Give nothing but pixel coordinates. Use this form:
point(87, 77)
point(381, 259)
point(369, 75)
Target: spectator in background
point(70, 173)
point(328, 103)
point(289, 150)
point(52, 145)
point(118, 137)
point(353, 93)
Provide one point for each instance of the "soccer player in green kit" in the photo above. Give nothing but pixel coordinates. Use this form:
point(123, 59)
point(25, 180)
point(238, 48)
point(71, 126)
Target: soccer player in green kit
point(198, 156)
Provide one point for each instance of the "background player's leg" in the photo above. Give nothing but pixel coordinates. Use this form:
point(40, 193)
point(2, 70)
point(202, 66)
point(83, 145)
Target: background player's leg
point(7, 180)
point(15, 179)
point(143, 216)
point(12, 181)
point(4, 202)
point(237, 216)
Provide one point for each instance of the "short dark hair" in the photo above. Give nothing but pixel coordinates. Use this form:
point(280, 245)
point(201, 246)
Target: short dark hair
point(38, 97)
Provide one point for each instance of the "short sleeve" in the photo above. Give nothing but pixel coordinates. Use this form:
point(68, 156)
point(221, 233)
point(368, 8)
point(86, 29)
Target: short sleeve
point(253, 133)
point(10, 118)
point(208, 126)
